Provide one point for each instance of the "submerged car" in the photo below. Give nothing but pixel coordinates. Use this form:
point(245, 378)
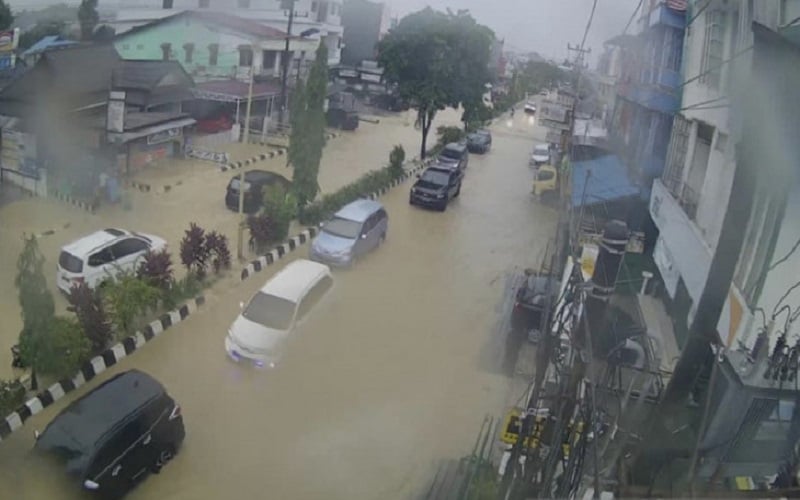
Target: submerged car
point(117, 433)
point(357, 228)
point(255, 183)
point(540, 155)
point(260, 332)
point(479, 141)
point(435, 187)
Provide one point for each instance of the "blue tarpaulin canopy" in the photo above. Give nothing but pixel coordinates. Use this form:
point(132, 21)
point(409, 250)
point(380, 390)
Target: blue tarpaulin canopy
point(608, 181)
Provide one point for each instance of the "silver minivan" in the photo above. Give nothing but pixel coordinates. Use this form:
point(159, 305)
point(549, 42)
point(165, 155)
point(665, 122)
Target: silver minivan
point(354, 230)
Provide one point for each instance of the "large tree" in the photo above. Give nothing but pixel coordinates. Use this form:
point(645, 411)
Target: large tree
point(38, 307)
point(88, 18)
point(6, 17)
point(437, 60)
point(307, 137)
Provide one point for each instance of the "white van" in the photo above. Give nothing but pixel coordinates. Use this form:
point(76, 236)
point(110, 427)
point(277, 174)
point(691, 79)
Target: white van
point(261, 329)
point(103, 255)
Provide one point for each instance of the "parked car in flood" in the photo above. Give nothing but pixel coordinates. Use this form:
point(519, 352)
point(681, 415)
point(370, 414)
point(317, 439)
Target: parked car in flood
point(455, 153)
point(540, 155)
point(435, 187)
point(102, 255)
point(112, 437)
point(479, 141)
point(255, 183)
point(260, 332)
point(530, 107)
point(357, 228)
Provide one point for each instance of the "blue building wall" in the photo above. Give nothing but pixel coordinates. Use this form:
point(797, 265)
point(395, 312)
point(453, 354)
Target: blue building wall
point(647, 103)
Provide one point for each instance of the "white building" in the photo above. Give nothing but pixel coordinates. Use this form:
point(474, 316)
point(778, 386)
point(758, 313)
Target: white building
point(321, 15)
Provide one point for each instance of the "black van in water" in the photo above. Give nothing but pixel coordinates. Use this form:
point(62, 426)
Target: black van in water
point(255, 182)
point(117, 433)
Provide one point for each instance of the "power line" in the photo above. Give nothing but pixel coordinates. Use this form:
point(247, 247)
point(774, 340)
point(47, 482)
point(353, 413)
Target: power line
point(714, 68)
point(588, 24)
point(633, 16)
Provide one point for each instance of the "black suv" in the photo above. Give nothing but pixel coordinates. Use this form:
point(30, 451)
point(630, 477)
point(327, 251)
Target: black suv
point(435, 187)
point(117, 433)
point(254, 183)
point(455, 153)
point(479, 141)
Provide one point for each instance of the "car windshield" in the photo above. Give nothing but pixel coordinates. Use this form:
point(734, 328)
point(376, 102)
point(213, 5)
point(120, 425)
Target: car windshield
point(270, 311)
point(451, 154)
point(541, 150)
point(70, 263)
point(436, 177)
point(236, 182)
point(343, 228)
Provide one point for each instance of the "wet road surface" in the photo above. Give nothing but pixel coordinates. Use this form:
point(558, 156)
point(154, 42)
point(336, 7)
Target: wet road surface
point(395, 369)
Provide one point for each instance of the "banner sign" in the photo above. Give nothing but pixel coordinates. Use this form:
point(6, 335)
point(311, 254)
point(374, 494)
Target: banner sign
point(164, 135)
point(8, 40)
point(116, 112)
point(206, 155)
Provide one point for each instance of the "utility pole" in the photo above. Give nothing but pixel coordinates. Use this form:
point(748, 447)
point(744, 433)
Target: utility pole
point(285, 4)
point(240, 234)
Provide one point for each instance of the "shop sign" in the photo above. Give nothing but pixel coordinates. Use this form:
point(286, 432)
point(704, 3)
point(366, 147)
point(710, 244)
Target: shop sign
point(553, 111)
point(369, 77)
point(116, 112)
point(348, 73)
point(164, 135)
point(206, 155)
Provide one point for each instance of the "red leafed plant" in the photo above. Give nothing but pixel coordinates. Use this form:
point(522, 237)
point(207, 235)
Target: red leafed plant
point(217, 247)
point(194, 251)
point(156, 268)
point(88, 306)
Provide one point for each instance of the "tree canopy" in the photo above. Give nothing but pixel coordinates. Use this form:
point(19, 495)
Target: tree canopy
point(88, 18)
point(6, 17)
point(437, 60)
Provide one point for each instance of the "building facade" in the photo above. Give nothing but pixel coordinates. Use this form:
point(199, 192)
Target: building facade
point(364, 24)
point(322, 16)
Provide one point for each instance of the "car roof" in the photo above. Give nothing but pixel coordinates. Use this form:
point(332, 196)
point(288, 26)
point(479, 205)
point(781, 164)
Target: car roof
point(459, 146)
point(292, 281)
point(541, 146)
point(444, 168)
point(359, 210)
point(83, 246)
point(82, 424)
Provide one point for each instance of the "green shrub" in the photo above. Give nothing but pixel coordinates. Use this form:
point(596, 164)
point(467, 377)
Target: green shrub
point(446, 135)
point(66, 349)
point(128, 298)
point(396, 159)
point(182, 290)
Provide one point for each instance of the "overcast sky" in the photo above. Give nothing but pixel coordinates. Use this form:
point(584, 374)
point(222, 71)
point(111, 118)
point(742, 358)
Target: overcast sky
point(541, 25)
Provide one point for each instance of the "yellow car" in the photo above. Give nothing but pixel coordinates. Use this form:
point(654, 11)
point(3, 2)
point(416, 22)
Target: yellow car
point(546, 180)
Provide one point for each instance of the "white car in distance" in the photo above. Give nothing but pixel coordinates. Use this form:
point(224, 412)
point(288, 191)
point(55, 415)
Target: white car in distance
point(260, 332)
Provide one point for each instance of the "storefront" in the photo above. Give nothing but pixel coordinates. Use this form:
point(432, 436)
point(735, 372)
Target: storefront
point(144, 143)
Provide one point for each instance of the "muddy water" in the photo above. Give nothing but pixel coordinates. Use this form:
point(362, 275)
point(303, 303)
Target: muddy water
point(394, 370)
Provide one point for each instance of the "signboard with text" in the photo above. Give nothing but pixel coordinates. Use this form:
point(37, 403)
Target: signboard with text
point(116, 112)
point(164, 135)
point(204, 154)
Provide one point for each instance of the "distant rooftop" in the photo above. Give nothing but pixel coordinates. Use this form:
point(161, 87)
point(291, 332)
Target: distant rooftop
point(47, 43)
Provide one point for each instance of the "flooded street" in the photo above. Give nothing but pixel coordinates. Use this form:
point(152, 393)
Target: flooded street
point(394, 370)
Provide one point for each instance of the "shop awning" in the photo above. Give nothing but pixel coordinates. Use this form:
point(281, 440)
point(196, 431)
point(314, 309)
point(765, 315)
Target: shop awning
point(148, 131)
point(233, 90)
point(607, 182)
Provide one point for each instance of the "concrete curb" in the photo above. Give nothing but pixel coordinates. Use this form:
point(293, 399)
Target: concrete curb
point(278, 252)
point(84, 205)
point(96, 366)
point(253, 160)
point(290, 245)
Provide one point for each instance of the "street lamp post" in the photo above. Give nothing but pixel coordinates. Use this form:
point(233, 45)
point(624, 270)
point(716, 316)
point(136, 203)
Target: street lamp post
point(285, 4)
point(240, 234)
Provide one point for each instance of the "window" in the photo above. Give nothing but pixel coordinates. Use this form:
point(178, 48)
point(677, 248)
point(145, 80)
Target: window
point(166, 4)
point(213, 53)
point(125, 46)
point(203, 4)
point(676, 155)
point(188, 51)
point(713, 47)
point(545, 175)
point(314, 6)
point(270, 311)
point(165, 50)
point(243, 4)
point(268, 58)
point(70, 263)
point(245, 56)
point(343, 228)
point(128, 246)
point(314, 296)
point(101, 257)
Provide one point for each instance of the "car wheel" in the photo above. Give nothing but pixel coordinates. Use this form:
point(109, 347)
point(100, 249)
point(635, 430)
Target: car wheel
point(166, 454)
point(458, 192)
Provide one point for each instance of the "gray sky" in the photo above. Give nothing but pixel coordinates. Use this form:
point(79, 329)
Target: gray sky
point(541, 25)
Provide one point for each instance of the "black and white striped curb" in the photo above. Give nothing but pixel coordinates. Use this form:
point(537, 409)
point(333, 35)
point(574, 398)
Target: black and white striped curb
point(278, 252)
point(96, 366)
point(250, 161)
point(149, 188)
point(84, 205)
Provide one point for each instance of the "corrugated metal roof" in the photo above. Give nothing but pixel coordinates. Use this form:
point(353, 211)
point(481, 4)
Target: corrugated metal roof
point(608, 181)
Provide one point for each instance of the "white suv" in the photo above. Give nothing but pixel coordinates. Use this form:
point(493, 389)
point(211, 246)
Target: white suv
point(103, 255)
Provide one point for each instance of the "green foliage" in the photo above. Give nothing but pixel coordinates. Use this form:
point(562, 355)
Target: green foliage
point(39, 31)
point(184, 289)
point(12, 395)
point(307, 137)
point(66, 349)
point(282, 208)
point(436, 60)
point(6, 17)
point(90, 311)
point(538, 75)
point(447, 135)
point(36, 302)
point(475, 115)
point(396, 159)
point(128, 298)
point(368, 183)
point(88, 18)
